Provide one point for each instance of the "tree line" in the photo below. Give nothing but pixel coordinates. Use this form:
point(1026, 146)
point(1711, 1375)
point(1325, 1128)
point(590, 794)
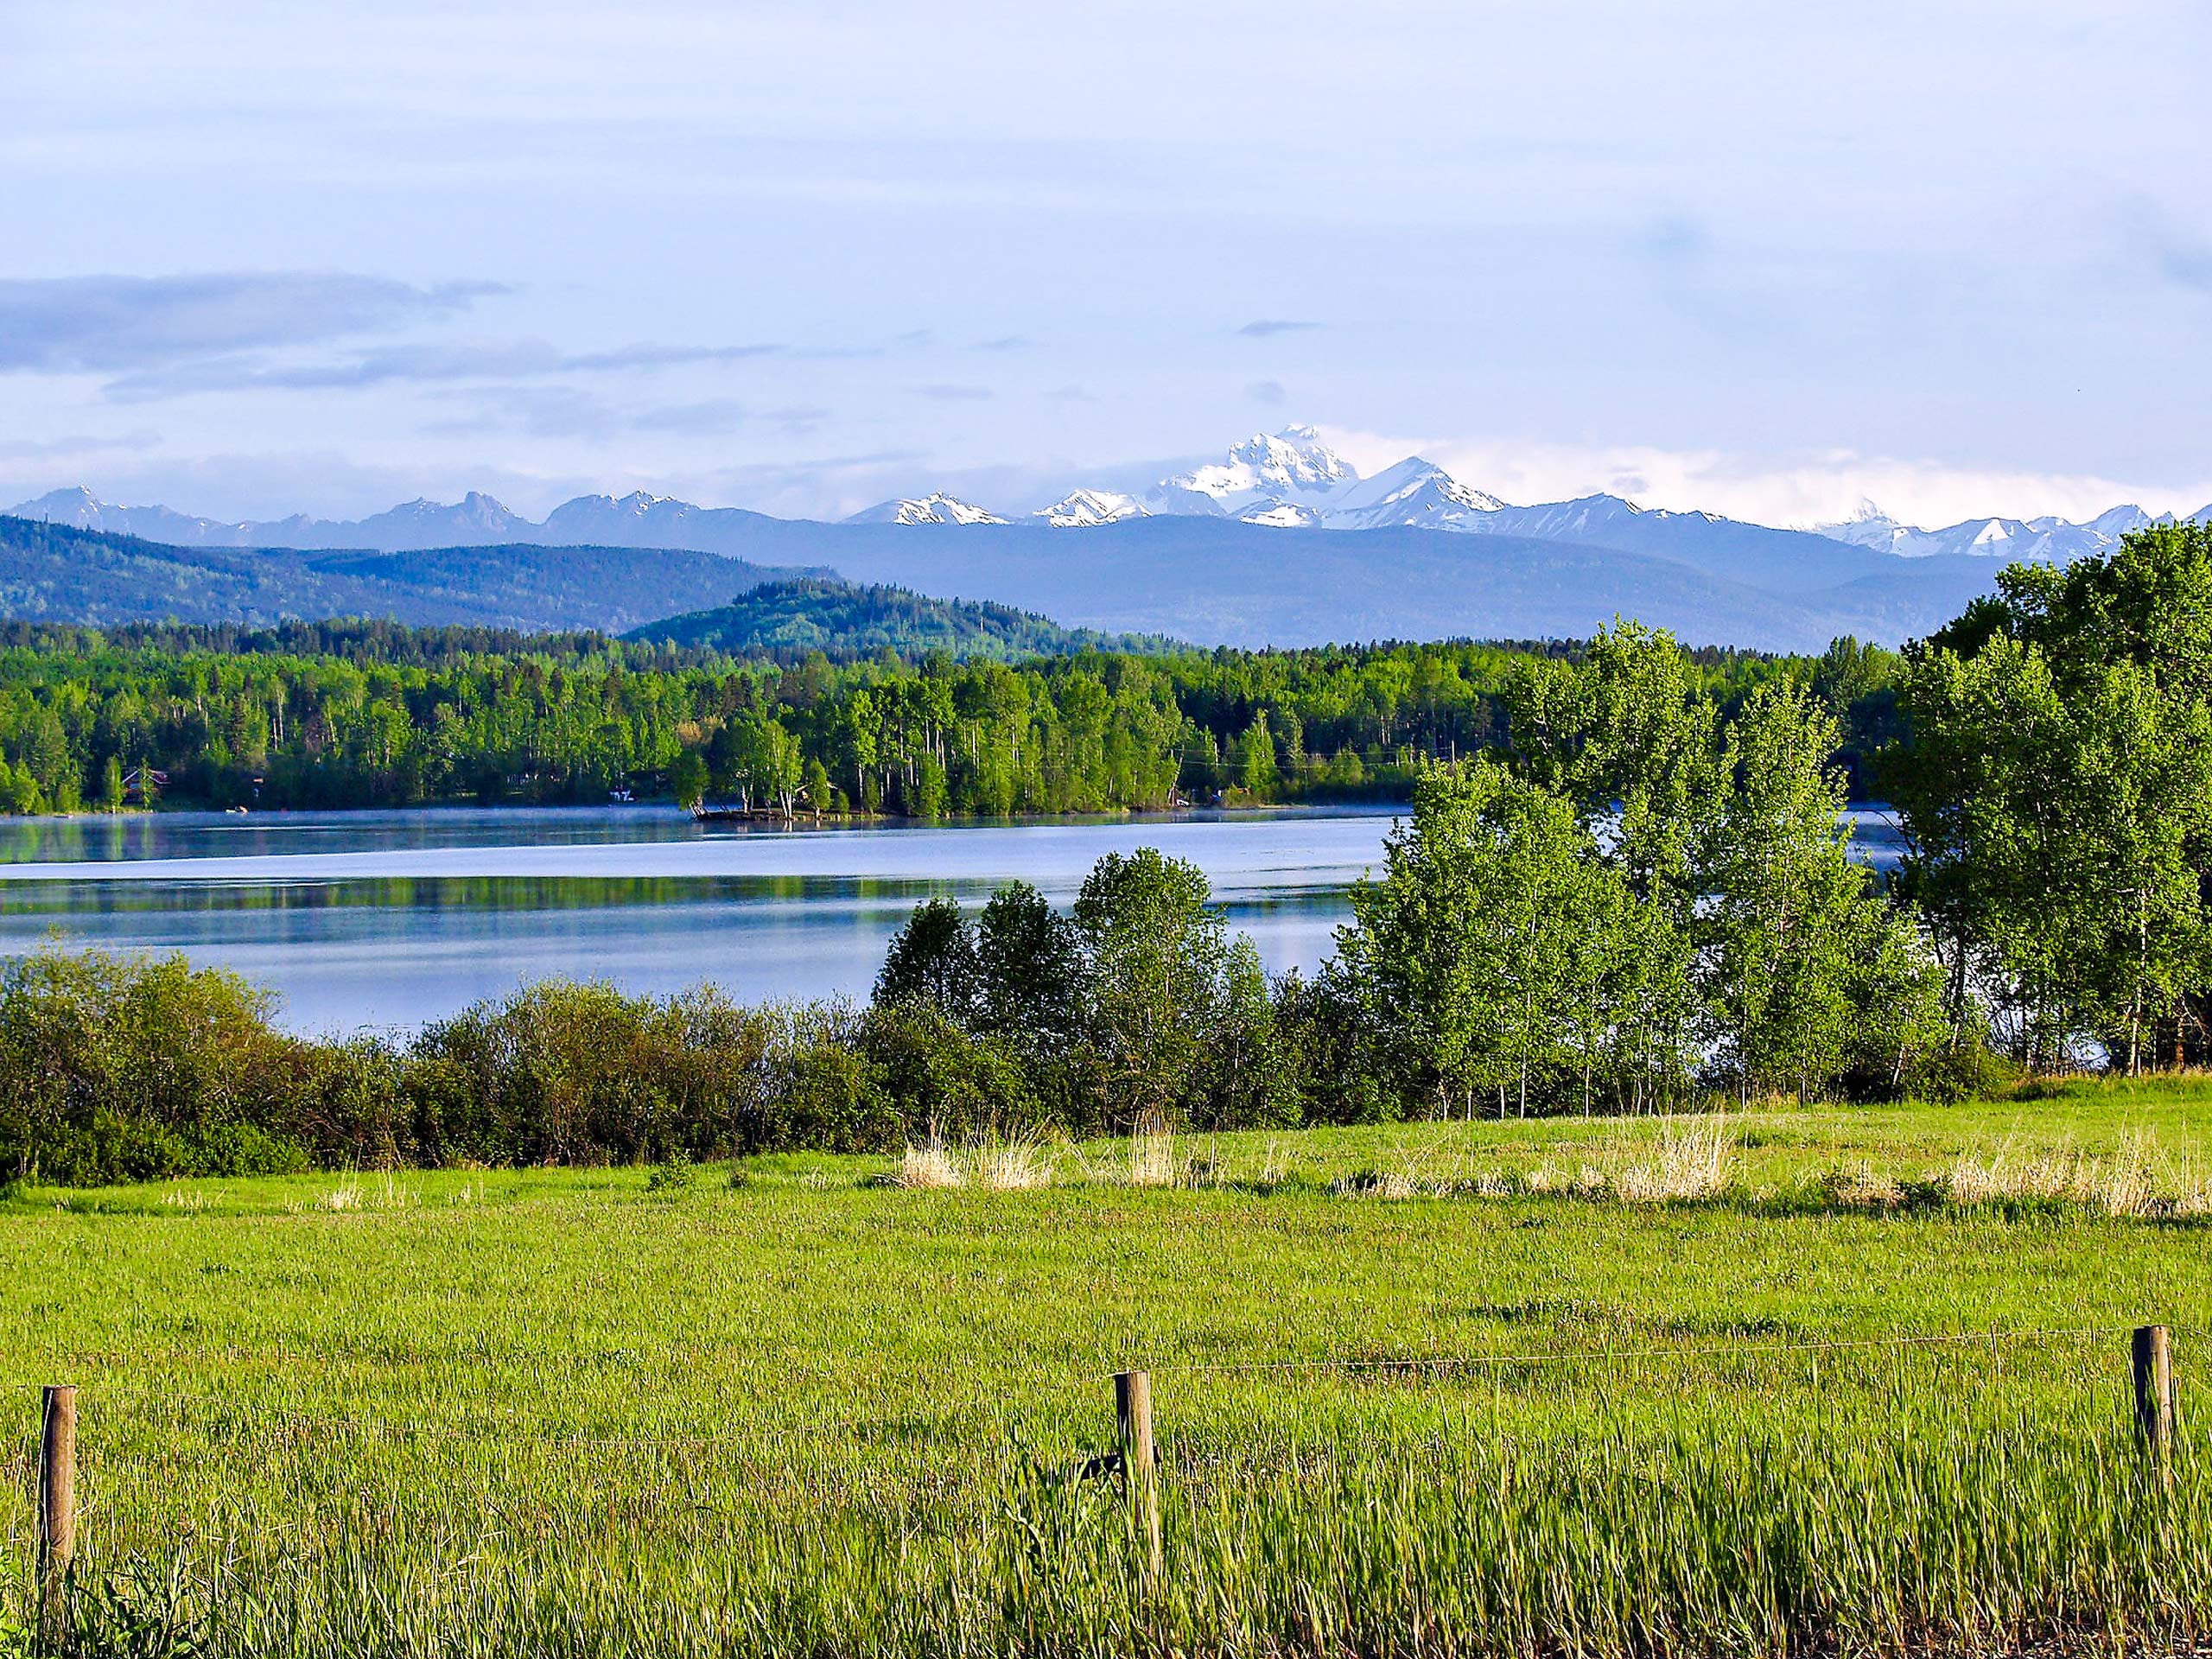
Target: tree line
point(367, 713)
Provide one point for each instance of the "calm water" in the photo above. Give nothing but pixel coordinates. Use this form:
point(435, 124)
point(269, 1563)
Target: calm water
point(388, 919)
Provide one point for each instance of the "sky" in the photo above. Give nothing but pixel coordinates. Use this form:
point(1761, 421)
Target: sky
point(1765, 260)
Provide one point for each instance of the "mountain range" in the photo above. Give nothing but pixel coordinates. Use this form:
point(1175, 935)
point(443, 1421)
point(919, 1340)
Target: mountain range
point(1218, 553)
point(56, 573)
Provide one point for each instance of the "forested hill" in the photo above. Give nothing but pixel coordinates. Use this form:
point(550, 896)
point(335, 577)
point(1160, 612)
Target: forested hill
point(55, 573)
point(362, 714)
point(784, 621)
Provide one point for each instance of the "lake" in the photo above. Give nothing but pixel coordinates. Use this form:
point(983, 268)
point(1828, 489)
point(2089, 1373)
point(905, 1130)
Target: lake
point(386, 920)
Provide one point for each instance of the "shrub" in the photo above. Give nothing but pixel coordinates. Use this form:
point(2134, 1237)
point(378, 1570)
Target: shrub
point(130, 1068)
point(935, 1073)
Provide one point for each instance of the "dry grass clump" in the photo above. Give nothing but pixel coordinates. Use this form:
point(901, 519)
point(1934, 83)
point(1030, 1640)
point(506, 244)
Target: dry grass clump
point(1691, 1158)
point(1152, 1154)
point(1011, 1164)
point(2137, 1179)
point(1014, 1165)
point(929, 1167)
point(341, 1198)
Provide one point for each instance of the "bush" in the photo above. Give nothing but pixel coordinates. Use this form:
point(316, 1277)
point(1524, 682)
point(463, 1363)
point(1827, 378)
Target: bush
point(945, 1080)
point(563, 1073)
point(128, 1068)
point(1967, 1071)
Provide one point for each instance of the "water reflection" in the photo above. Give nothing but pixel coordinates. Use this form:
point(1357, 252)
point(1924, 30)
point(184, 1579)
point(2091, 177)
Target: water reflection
point(390, 920)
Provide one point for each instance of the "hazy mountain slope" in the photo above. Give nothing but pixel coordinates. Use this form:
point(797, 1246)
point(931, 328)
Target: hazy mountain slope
point(1219, 582)
point(54, 573)
point(845, 622)
point(1779, 561)
point(1211, 581)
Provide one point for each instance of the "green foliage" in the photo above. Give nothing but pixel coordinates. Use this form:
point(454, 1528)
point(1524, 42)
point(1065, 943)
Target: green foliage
point(1158, 962)
point(1465, 948)
point(787, 619)
point(362, 714)
point(687, 778)
point(1646, 896)
point(124, 1067)
point(2055, 787)
point(1029, 972)
point(931, 962)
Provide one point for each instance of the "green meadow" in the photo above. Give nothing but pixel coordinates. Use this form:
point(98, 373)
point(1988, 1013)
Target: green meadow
point(1846, 1378)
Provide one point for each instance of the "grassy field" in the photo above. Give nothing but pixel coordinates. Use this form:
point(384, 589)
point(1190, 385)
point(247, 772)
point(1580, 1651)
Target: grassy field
point(591, 1412)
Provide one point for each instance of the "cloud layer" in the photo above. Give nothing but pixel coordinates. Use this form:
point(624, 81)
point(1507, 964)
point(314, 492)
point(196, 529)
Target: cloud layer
point(97, 324)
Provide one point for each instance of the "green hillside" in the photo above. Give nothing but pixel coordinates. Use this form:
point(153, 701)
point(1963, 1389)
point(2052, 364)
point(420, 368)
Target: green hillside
point(54, 573)
point(844, 622)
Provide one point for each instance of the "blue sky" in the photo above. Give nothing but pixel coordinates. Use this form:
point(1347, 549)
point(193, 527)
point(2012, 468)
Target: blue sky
point(1758, 258)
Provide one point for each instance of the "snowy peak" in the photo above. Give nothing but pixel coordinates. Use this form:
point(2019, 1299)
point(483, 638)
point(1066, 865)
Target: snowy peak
point(1415, 492)
point(1292, 466)
point(2118, 521)
point(937, 508)
point(634, 505)
point(1868, 527)
point(608, 519)
point(1080, 509)
point(2049, 538)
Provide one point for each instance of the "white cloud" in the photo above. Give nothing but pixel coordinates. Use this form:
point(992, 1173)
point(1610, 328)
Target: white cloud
point(1806, 489)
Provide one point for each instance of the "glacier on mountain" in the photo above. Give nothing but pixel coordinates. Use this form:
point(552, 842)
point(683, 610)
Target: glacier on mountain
point(1079, 509)
point(1293, 465)
point(936, 508)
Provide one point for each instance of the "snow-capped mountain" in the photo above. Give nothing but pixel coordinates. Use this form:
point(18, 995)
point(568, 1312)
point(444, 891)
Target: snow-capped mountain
point(1292, 466)
point(937, 508)
point(1289, 480)
point(1414, 492)
point(2048, 538)
point(81, 509)
point(1079, 509)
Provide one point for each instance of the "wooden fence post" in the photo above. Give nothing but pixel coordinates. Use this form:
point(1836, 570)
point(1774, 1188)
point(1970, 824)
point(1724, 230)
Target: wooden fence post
point(57, 1495)
point(2154, 1390)
point(1132, 1412)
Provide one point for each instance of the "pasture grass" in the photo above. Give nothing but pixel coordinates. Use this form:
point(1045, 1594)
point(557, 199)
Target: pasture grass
point(818, 1411)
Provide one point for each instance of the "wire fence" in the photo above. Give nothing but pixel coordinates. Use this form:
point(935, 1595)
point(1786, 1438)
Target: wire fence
point(1583, 1356)
point(238, 1407)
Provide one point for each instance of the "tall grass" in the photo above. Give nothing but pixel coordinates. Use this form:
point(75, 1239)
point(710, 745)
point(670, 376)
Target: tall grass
point(515, 1412)
point(1925, 1530)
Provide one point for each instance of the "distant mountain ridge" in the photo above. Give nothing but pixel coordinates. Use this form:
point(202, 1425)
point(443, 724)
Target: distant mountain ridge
point(1280, 543)
point(1288, 479)
point(2047, 539)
